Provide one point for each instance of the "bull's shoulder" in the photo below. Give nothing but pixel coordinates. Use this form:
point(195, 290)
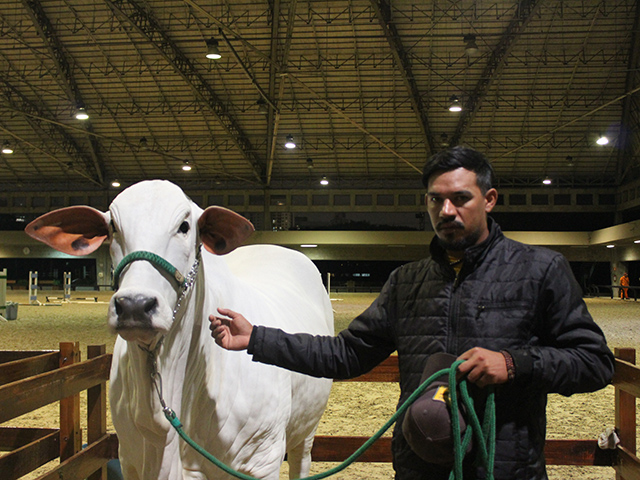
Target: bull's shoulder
point(275, 279)
point(259, 257)
point(271, 266)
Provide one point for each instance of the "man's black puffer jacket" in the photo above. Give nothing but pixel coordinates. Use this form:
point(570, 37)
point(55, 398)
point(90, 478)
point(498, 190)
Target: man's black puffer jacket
point(507, 296)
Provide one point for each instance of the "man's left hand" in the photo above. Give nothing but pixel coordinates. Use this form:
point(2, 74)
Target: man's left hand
point(483, 367)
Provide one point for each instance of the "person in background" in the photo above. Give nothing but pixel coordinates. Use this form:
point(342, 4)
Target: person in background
point(513, 312)
point(624, 283)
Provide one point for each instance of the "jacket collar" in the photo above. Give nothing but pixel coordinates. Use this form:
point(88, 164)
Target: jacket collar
point(472, 255)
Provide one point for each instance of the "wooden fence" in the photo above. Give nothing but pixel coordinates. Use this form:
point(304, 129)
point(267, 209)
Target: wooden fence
point(30, 380)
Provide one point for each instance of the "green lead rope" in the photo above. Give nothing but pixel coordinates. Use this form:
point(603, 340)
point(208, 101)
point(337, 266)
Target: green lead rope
point(485, 434)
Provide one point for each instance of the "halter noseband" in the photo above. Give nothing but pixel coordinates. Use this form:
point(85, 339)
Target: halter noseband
point(156, 260)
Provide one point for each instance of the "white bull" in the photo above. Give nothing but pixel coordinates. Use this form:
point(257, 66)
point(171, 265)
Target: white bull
point(246, 414)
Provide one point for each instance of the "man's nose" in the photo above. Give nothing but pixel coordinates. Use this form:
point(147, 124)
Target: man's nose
point(448, 209)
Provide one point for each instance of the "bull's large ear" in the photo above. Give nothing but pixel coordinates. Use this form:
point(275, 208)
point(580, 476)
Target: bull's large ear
point(222, 230)
point(73, 230)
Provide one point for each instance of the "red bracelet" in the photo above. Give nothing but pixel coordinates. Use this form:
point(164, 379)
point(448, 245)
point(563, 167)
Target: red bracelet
point(511, 368)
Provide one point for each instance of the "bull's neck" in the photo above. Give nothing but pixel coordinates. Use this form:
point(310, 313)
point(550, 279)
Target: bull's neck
point(172, 354)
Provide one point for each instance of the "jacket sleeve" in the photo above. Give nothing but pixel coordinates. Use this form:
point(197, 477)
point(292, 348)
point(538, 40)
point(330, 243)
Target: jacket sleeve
point(572, 354)
point(366, 342)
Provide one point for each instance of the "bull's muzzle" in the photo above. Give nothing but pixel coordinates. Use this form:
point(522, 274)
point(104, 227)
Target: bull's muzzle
point(135, 311)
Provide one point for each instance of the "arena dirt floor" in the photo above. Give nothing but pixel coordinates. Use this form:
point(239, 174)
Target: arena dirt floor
point(354, 408)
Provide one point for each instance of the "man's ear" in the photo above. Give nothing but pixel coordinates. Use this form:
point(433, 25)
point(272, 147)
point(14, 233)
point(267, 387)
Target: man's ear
point(490, 198)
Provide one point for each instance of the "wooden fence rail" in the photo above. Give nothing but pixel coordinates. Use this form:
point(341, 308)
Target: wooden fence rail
point(30, 380)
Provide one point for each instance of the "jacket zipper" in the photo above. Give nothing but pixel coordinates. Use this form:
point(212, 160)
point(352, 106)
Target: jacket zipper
point(452, 337)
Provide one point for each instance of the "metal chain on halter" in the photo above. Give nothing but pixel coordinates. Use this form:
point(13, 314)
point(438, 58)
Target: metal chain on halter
point(188, 281)
point(156, 379)
point(152, 353)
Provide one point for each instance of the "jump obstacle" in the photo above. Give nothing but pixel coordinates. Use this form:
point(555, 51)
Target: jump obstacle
point(30, 380)
point(51, 300)
point(8, 310)
point(3, 295)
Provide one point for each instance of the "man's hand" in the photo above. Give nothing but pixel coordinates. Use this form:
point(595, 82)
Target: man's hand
point(231, 333)
point(483, 367)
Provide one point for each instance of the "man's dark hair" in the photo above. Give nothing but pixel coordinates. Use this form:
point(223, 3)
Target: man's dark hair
point(457, 157)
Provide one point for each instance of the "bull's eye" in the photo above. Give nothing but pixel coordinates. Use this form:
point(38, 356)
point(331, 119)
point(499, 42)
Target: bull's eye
point(184, 227)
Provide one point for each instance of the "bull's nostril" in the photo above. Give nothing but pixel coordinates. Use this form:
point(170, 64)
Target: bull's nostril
point(135, 311)
point(150, 305)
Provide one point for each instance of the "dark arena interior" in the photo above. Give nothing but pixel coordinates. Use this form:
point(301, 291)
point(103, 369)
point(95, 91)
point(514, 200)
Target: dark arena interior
point(314, 123)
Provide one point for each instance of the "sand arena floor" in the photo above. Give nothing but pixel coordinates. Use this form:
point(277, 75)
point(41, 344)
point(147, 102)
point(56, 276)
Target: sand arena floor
point(354, 408)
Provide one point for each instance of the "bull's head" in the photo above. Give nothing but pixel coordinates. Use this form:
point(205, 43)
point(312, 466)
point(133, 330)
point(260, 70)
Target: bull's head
point(155, 217)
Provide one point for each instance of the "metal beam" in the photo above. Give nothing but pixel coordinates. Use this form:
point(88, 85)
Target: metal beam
point(493, 67)
point(65, 73)
point(629, 139)
point(274, 116)
point(147, 26)
point(383, 12)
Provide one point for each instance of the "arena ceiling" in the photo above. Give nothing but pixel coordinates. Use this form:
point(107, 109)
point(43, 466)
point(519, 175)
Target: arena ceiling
point(363, 87)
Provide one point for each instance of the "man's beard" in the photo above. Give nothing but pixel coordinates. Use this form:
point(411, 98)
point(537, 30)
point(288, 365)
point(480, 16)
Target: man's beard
point(460, 244)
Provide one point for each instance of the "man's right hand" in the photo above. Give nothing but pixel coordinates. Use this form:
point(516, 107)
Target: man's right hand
point(232, 333)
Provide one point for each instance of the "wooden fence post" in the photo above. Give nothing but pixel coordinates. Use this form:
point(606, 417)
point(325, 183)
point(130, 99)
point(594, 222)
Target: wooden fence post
point(97, 411)
point(626, 409)
point(70, 431)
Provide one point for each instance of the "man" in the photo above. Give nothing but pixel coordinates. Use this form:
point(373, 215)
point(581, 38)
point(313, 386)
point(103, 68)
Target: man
point(624, 283)
point(513, 312)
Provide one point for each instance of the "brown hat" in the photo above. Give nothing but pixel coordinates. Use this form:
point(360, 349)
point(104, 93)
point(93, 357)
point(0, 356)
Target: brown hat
point(427, 422)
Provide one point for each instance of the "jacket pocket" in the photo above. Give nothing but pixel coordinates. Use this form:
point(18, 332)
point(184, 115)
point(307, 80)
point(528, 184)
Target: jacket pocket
point(511, 321)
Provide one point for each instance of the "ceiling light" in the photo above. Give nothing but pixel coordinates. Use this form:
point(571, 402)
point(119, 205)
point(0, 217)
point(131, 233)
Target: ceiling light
point(143, 143)
point(470, 46)
point(611, 246)
point(6, 148)
point(213, 53)
point(546, 181)
point(309, 245)
point(262, 106)
point(115, 184)
point(455, 104)
point(81, 114)
point(324, 181)
point(310, 163)
point(636, 241)
point(602, 140)
point(186, 166)
point(290, 143)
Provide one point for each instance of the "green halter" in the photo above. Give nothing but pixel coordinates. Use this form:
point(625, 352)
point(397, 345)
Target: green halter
point(156, 260)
